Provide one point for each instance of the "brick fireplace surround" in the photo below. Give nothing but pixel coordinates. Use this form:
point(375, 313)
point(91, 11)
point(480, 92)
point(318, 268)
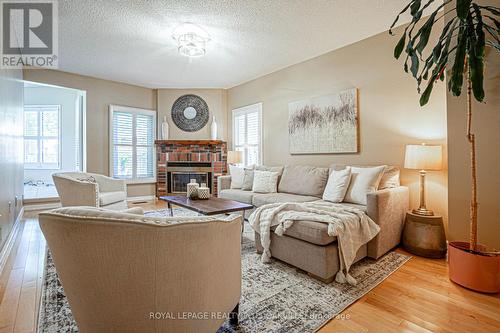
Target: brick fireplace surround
point(189, 153)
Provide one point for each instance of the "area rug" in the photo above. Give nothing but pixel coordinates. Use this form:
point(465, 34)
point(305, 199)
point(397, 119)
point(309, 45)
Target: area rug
point(276, 297)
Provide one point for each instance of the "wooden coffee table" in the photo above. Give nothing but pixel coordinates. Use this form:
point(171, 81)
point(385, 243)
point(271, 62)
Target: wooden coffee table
point(211, 206)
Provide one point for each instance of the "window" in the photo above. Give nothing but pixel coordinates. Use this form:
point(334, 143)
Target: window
point(42, 136)
point(247, 133)
point(132, 136)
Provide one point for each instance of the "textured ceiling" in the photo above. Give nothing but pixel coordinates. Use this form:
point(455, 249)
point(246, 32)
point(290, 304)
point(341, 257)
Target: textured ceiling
point(130, 40)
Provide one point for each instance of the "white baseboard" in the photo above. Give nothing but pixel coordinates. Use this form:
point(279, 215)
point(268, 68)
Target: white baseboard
point(42, 206)
point(11, 240)
point(141, 198)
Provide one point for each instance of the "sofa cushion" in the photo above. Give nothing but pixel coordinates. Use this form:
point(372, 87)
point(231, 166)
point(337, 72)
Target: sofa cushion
point(237, 195)
point(107, 198)
point(310, 231)
point(265, 181)
point(237, 173)
point(247, 180)
point(278, 169)
point(337, 185)
point(314, 232)
point(363, 181)
point(390, 178)
point(303, 180)
point(267, 198)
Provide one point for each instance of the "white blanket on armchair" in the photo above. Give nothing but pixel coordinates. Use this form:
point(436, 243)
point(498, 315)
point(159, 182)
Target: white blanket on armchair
point(352, 227)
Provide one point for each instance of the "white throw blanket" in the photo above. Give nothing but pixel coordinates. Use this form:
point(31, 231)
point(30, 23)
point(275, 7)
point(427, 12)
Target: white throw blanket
point(352, 227)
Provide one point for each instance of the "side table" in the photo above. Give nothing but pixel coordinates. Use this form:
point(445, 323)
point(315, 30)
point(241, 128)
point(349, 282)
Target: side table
point(424, 235)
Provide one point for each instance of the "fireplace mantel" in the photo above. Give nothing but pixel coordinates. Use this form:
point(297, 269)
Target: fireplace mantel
point(174, 155)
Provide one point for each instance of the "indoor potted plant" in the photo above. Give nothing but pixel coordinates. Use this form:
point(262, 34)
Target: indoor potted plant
point(462, 42)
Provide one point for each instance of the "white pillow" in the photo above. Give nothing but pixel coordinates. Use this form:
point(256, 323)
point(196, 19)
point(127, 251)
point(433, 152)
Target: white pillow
point(363, 181)
point(237, 174)
point(265, 181)
point(337, 185)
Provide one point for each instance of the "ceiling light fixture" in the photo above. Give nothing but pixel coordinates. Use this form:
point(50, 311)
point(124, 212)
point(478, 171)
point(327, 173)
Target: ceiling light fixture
point(191, 40)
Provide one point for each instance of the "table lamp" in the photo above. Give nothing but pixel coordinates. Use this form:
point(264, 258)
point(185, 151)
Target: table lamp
point(234, 157)
point(424, 158)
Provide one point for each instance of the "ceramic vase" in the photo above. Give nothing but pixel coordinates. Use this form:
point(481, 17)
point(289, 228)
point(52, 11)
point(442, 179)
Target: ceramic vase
point(192, 189)
point(164, 129)
point(213, 129)
point(203, 191)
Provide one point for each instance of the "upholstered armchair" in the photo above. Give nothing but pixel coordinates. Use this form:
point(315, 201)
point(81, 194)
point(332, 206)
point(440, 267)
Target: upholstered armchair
point(129, 273)
point(90, 189)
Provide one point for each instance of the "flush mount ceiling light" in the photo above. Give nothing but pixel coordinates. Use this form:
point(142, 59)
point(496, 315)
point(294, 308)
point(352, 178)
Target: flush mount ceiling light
point(191, 40)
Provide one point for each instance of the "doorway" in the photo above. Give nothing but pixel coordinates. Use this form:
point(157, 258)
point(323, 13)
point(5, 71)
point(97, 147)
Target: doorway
point(54, 137)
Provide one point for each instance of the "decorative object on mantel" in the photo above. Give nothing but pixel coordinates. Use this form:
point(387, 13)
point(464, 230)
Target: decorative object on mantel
point(424, 158)
point(213, 129)
point(203, 192)
point(424, 235)
point(471, 29)
point(192, 189)
point(164, 129)
point(234, 157)
point(190, 113)
point(326, 124)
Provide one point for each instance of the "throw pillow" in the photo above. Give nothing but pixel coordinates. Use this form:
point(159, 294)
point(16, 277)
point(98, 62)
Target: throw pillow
point(265, 181)
point(390, 178)
point(363, 181)
point(247, 180)
point(337, 185)
point(237, 174)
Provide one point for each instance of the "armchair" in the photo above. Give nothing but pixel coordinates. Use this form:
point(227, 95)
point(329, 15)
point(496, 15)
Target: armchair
point(90, 189)
point(121, 272)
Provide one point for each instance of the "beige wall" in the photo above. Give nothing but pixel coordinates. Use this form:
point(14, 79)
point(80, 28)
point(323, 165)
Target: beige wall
point(11, 148)
point(216, 101)
point(390, 115)
point(100, 94)
point(486, 125)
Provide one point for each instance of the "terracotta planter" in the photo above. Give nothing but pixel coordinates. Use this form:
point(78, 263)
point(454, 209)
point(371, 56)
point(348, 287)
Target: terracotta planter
point(479, 271)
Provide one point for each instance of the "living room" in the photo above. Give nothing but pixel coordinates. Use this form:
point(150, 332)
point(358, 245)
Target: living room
point(263, 166)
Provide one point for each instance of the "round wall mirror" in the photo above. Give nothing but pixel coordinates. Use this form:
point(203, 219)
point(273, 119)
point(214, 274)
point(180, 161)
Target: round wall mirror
point(190, 113)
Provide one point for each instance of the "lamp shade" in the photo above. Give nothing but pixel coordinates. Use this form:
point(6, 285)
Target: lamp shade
point(424, 157)
point(234, 157)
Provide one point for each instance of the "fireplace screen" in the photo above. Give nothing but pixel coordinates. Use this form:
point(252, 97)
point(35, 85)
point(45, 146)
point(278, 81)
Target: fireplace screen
point(179, 180)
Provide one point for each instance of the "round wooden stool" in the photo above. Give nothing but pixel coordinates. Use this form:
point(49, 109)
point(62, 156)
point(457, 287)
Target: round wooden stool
point(424, 235)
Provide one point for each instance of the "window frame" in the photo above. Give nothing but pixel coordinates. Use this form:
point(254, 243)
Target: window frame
point(245, 110)
point(127, 109)
point(40, 165)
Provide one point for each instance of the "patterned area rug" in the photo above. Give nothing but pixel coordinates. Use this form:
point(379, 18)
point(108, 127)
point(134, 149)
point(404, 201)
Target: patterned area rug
point(276, 297)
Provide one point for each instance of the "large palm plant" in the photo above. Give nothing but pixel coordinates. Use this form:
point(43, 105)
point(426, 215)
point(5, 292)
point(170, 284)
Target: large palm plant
point(462, 42)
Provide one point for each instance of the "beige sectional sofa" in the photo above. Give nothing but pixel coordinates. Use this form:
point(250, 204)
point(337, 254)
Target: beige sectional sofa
point(307, 244)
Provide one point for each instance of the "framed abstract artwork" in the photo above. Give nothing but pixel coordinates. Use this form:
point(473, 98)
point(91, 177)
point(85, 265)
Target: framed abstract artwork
point(324, 125)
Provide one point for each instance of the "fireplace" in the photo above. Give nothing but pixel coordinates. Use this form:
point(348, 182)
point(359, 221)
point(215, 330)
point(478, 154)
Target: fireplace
point(179, 174)
point(179, 161)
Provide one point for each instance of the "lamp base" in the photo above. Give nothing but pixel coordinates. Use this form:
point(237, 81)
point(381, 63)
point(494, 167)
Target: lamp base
point(422, 211)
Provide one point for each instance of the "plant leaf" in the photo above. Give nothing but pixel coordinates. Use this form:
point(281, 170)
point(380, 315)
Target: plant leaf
point(497, 24)
point(427, 93)
point(397, 17)
point(463, 8)
point(399, 47)
point(457, 71)
point(475, 54)
point(425, 33)
point(415, 7)
point(492, 9)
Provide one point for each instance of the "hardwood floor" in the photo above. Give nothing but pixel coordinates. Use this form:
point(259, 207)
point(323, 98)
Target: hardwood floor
point(417, 298)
